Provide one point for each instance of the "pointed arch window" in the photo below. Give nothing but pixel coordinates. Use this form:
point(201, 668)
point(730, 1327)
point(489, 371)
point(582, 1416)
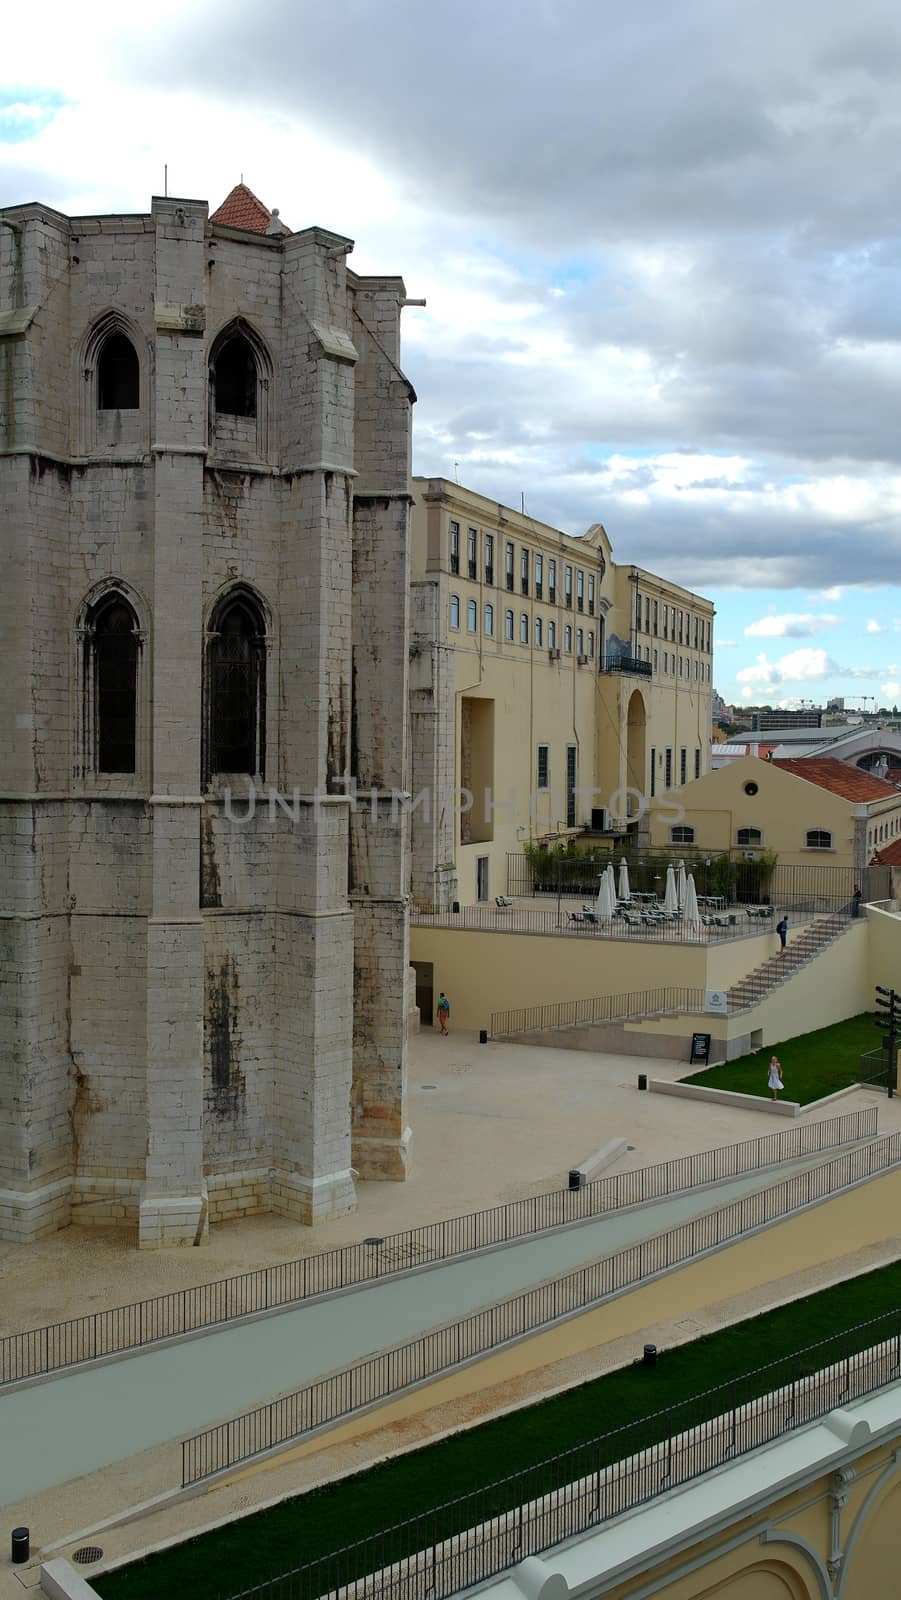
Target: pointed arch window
point(235, 723)
point(112, 645)
point(118, 375)
point(240, 376)
point(234, 373)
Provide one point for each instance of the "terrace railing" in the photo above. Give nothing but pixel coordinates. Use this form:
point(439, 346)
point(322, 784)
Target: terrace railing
point(104, 1333)
point(569, 922)
point(598, 1009)
point(466, 1541)
point(406, 1366)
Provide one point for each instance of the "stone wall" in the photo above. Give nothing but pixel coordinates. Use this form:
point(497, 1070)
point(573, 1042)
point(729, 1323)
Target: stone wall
point(194, 1000)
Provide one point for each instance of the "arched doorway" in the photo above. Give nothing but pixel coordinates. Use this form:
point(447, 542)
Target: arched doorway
point(636, 754)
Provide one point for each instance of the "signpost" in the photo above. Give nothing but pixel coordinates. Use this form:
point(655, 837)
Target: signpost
point(700, 1047)
point(888, 1018)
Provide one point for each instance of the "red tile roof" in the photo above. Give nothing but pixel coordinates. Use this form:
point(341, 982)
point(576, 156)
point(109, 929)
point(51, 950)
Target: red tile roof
point(242, 209)
point(889, 855)
point(829, 773)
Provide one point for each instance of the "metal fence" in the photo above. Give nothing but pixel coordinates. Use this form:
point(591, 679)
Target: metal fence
point(104, 1333)
point(465, 1541)
point(570, 922)
point(405, 1366)
point(874, 1068)
point(600, 1008)
point(809, 888)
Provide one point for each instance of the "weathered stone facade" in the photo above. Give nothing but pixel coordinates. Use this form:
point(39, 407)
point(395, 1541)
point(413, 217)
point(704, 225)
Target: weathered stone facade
point(202, 987)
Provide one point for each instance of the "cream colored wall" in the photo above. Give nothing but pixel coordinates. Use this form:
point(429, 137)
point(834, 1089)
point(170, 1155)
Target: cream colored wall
point(485, 972)
point(539, 701)
point(884, 963)
point(784, 808)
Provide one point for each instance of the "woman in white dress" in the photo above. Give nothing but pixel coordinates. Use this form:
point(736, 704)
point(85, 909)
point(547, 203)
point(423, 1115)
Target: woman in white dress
point(775, 1077)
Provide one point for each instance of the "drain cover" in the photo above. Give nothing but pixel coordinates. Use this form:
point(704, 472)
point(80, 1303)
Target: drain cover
point(373, 1241)
point(87, 1554)
point(428, 1086)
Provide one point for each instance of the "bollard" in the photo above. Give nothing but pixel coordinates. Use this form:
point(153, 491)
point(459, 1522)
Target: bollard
point(455, 906)
point(650, 1355)
point(642, 1080)
point(20, 1545)
point(483, 1036)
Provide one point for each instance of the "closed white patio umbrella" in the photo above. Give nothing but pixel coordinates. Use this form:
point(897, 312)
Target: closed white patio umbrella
point(680, 885)
point(691, 916)
point(604, 905)
point(670, 898)
point(624, 890)
point(611, 879)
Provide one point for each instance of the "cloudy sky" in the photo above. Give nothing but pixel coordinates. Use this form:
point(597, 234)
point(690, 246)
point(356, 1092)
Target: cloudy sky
point(659, 244)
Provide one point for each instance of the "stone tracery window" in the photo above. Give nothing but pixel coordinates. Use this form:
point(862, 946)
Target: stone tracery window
point(111, 654)
point(235, 721)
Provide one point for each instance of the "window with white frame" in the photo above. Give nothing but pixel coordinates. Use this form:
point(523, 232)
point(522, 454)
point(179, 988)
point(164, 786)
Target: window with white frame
point(472, 616)
point(818, 839)
point(580, 642)
point(455, 547)
point(523, 628)
point(538, 632)
point(681, 834)
point(455, 611)
point(580, 589)
point(568, 639)
point(524, 571)
point(489, 620)
point(508, 625)
point(591, 594)
point(552, 635)
point(472, 552)
point(552, 580)
point(543, 765)
point(509, 558)
point(539, 574)
point(489, 558)
point(568, 586)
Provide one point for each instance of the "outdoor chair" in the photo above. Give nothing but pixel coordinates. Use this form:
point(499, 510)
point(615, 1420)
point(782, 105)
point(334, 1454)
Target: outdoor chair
point(630, 919)
point(503, 902)
point(578, 917)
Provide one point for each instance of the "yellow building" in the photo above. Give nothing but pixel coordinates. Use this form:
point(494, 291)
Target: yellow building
point(551, 685)
point(808, 810)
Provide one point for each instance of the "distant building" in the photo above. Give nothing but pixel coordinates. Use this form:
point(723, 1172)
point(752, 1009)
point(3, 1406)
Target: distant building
point(766, 721)
point(547, 681)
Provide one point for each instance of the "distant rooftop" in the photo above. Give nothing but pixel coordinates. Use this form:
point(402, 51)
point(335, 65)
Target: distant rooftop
point(829, 773)
point(242, 209)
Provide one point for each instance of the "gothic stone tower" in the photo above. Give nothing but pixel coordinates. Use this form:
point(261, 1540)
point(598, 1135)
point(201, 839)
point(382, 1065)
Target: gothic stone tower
point(204, 493)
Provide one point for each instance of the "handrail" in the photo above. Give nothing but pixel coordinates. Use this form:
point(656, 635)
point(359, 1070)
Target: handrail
point(120, 1328)
point(597, 1008)
point(405, 1366)
point(480, 1534)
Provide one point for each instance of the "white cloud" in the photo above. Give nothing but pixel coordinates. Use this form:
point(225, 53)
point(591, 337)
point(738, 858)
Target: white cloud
point(891, 691)
point(792, 625)
point(833, 594)
point(874, 627)
point(799, 666)
point(725, 644)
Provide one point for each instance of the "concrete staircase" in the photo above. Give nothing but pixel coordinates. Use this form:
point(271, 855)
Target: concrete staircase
point(801, 949)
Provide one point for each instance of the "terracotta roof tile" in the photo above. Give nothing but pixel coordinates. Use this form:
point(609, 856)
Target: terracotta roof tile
point(827, 772)
point(242, 209)
point(889, 855)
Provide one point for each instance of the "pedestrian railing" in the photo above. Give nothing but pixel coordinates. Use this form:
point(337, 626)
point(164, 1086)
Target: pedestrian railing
point(571, 922)
point(393, 1371)
point(466, 1541)
point(121, 1328)
point(597, 1009)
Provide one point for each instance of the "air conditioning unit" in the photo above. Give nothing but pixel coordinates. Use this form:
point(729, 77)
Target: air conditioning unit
point(582, 661)
point(553, 655)
point(749, 855)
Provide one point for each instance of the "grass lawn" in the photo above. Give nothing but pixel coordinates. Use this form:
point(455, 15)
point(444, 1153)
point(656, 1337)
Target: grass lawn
point(324, 1520)
point(813, 1065)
